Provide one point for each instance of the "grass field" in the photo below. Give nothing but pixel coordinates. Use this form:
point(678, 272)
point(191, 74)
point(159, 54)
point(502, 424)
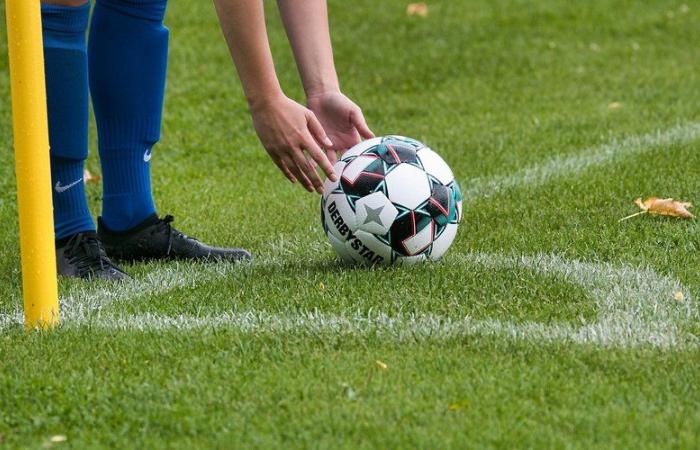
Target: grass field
point(549, 324)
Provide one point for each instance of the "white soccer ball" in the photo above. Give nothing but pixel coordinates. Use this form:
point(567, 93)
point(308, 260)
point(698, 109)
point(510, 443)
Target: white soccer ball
point(395, 201)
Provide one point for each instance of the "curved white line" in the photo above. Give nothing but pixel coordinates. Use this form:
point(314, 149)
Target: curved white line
point(635, 305)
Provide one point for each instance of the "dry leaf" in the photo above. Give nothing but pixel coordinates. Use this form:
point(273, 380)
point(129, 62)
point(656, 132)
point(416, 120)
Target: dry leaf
point(662, 207)
point(58, 438)
point(321, 285)
point(615, 105)
point(417, 9)
point(382, 365)
point(665, 207)
point(679, 296)
point(88, 177)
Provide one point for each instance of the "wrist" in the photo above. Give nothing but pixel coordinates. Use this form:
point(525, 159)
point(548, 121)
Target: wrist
point(321, 89)
point(262, 99)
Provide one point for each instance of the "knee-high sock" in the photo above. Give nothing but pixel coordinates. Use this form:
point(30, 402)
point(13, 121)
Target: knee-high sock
point(128, 51)
point(67, 101)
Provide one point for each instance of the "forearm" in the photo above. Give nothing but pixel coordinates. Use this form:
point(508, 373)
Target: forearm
point(306, 23)
point(243, 25)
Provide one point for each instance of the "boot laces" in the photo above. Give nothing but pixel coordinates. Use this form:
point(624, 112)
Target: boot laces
point(164, 225)
point(86, 253)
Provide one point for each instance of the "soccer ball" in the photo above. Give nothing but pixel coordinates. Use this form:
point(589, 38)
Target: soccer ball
point(395, 201)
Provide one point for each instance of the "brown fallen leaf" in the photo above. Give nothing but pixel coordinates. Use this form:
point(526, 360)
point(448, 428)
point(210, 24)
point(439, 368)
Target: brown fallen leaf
point(679, 296)
point(90, 178)
point(417, 9)
point(662, 207)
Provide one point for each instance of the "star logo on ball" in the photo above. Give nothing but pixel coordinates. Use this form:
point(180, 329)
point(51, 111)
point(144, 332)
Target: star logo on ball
point(373, 215)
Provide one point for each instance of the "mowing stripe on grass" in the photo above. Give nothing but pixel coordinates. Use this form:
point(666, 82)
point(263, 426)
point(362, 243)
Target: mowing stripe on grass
point(560, 167)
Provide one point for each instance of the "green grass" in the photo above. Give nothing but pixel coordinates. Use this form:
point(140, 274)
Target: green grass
point(495, 87)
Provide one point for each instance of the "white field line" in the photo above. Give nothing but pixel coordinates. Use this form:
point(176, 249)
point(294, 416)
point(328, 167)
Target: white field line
point(635, 306)
point(89, 302)
point(563, 166)
point(415, 327)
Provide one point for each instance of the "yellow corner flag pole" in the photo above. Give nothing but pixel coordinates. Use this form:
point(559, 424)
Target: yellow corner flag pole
point(31, 135)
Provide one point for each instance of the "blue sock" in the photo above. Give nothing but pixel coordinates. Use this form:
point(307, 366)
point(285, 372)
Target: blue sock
point(67, 103)
point(128, 51)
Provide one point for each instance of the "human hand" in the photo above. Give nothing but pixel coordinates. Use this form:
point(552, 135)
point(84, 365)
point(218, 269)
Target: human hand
point(287, 129)
point(341, 119)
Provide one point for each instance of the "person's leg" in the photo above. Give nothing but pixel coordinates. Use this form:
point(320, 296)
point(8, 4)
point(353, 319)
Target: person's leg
point(65, 58)
point(127, 54)
point(128, 50)
point(79, 252)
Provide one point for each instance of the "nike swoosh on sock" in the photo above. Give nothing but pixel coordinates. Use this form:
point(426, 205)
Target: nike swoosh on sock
point(61, 189)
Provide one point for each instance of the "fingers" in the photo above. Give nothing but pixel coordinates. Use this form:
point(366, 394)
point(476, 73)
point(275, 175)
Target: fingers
point(358, 121)
point(291, 162)
point(284, 168)
point(317, 130)
point(296, 167)
point(311, 180)
point(319, 156)
point(332, 158)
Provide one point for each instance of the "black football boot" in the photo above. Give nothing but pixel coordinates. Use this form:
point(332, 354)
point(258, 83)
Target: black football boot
point(83, 256)
point(155, 239)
